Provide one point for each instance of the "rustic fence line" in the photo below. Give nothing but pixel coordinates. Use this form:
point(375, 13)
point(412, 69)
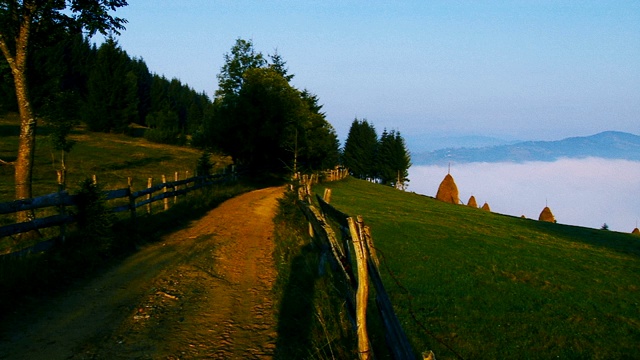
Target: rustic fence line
point(62, 199)
point(356, 237)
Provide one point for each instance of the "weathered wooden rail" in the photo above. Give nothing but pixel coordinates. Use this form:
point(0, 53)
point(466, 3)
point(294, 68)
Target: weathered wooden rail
point(62, 199)
point(356, 237)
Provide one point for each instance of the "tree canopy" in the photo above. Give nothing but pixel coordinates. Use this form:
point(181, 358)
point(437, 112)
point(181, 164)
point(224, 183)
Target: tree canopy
point(264, 122)
point(386, 160)
point(360, 150)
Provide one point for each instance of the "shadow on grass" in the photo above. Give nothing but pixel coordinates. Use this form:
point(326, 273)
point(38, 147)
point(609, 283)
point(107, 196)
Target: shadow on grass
point(312, 322)
point(615, 241)
point(297, 309)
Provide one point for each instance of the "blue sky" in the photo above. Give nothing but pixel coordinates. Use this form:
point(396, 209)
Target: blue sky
point(526, 70)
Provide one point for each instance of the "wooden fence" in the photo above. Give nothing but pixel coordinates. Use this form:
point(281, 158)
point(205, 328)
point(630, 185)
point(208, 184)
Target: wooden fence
point(62, 199)
point(356, 238)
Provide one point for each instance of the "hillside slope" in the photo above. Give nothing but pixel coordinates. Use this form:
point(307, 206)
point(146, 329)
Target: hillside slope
point(608, 145)
point(491, 286)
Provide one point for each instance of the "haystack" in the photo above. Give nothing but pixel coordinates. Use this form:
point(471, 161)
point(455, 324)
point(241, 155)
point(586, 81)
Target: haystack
point(485, 206)
point(448, 191)
point(472, 202)
point(547, 215)
point(636, 231)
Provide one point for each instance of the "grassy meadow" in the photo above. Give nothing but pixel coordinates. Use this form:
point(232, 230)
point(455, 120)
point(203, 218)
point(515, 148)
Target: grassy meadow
point(477, 285)
point(111, 157)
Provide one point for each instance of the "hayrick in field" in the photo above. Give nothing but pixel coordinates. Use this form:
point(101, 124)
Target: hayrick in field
point(448, 191)
point(472, 202)
point(547, 215)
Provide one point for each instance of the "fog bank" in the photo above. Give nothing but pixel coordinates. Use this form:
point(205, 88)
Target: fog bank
point(585, 192)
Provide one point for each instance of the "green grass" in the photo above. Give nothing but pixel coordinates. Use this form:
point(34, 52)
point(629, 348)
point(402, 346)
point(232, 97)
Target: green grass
point(111, 157)
point(491, 286)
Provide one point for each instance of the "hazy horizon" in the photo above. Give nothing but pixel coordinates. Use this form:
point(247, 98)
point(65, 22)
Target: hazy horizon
point(583, 192)
point(507, 69)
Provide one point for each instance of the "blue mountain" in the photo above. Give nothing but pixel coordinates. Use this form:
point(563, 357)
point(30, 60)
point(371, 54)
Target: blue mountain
point(608, 145)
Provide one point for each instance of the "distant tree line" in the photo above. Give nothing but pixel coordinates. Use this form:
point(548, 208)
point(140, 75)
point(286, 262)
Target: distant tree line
point(73, 81)
point(257, 117)
point(385, 160)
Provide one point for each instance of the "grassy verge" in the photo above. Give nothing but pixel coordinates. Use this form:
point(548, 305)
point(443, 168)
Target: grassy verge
point(490, 286)
point(312, 320)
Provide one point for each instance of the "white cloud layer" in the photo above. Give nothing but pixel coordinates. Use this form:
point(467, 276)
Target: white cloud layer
point(584, 192)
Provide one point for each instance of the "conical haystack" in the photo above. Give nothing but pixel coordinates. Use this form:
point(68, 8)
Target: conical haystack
point(547, 215)
point(486, 207)
point(636, 231)
point(472, 202)
point(448, 191)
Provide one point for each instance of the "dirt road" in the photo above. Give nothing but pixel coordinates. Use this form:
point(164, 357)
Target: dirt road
point(202, 292)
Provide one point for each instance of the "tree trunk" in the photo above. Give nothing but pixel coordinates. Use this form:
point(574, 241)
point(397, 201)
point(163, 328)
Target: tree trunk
point(26, 144)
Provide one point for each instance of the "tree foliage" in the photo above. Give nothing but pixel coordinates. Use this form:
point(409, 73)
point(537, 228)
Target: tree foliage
point(264, 122)
point(360, 150)
point(393, 161)
point(386, 160)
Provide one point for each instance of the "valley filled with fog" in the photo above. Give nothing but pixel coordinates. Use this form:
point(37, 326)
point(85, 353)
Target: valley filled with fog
point(585, 192)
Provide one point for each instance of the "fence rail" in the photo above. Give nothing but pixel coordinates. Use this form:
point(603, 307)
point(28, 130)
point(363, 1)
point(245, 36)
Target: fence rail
point(63, 199)
point(356, 237)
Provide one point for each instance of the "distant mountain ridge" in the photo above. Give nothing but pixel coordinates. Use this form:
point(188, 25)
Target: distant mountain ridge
point(608, 145)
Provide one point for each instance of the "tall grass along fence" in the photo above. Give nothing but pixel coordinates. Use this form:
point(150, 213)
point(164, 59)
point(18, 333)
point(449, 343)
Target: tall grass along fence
point(125, 199)
point(355, 240)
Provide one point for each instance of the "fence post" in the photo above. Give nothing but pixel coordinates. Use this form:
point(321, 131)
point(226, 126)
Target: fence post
point(149, 184)
point(164, 192)
point(63, 211)
point(327, 195)
point(362, 293)
point(132, 200)
point(175, 188)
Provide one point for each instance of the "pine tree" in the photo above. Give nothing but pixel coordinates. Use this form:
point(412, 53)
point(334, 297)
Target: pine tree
point(112, 99)
point(394, 160)
point(360, 150)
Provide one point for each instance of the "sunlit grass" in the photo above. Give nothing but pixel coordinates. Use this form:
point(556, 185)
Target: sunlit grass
point(111, 157)
point(493, 286)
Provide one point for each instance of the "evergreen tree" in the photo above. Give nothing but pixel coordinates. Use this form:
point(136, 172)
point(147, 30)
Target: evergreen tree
point(241, 58)
point(394, 160)
point(144, 82)
point(112, 99)
point(360, 150)
point(318, 145)
point(280, 66)
point(262, 121)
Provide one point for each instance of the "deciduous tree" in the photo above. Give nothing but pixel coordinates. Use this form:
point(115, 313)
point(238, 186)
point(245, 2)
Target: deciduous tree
point(24, 24)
